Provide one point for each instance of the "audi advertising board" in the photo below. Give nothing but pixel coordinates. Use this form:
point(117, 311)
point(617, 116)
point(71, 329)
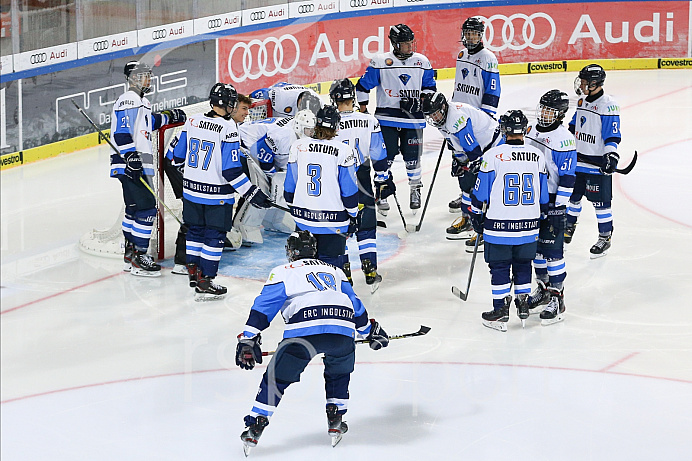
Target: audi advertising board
point(322, 51)
point(107, 44)
point(182, 76)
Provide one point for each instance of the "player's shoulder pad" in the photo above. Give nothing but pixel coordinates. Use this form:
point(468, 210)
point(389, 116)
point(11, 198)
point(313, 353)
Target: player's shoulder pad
point(489, 61)
point(420, 60)
point(128, 100)
point(609, 106)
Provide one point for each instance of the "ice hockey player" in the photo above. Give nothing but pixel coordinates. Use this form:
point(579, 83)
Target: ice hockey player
point(596, 127)
point(402, 77)
point(477, 78)
point(132, 124)
point(209, 147)
point(287, 99)
point(552, 138)
point(321, 187)
point(267, 143)
point(469, 132)
point(322, 316)
point(362, 131)
point(513, 187)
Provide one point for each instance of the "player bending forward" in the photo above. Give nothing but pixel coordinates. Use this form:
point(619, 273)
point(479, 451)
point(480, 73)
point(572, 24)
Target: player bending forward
point(512, 185)
point(209, 148)
point(322, 315)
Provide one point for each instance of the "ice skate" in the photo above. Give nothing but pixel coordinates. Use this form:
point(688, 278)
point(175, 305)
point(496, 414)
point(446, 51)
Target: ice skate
point(455, 205)
point(497, 318)
point(144, 266)
point(414, 202)
point(569, 231)
point(192, 274)
point(522, 304)
point(337, 428)
point(538, 297)
point(555, 310)
point(207, 290)
point(461, 229)
point(347, 271)
point(382, 207)
point(372, 278)
point(470, 244)
point(253, 431)
point(600, 248)
point(127, 257)
point(179, 269)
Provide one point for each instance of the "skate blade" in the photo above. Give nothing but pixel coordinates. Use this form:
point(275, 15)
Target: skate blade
point(336, 437)
point(383, 212)
point(558, 318)
point(499, 326)
point(461, 236)
point(182, 270)
point(523, 323)
point(203, 297)
point(127, 267)
point(535, 310)
point(455, 210)
point(246, 449)
point(596, 256)
point(411, 228)
point(143, 273)
point(470, 249)
point(374, 287)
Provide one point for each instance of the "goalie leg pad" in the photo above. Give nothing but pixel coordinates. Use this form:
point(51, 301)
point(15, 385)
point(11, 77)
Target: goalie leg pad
point(249, 218)
point(275, 219)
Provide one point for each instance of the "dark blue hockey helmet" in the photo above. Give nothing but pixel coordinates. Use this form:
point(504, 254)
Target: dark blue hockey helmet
point(592, 76)
point(472, 33)
point(223, 95)
point(401, 33)
point(138, 75)
point(342, 90)
point(513, 122)
point(301, 244)
point(328, 117)
point(552, 107)
point(435, 109)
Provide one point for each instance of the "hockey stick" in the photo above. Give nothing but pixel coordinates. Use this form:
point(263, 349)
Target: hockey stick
point(416, 228)
point(105, 138)
point(625, 170)
point(456, 291)
point(423, 330)
point(401, 213)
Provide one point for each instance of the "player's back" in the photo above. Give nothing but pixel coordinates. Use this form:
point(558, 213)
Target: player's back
point(558, 147)
point(268, 140)
point(356, 129)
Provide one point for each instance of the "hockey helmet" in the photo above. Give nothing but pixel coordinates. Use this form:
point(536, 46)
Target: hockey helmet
point(342, 90)
point(301, 244)
point(472, 33)
point(223, 95)
point(435, 109)
point(304, 123)
point(552, 107)
point(513, 122)
point(138, 75)
point(401, 33)
point(593, 76)
point(308, 100)
point(328, 117)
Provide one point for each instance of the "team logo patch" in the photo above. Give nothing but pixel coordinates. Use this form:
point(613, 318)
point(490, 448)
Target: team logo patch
point(388, 62)
point(582, 121)
point(464, 72)
point(503, 157)
point(580, 102)
point(404, 78)
point(528, 130)
point(288, 110)
point(460, 55)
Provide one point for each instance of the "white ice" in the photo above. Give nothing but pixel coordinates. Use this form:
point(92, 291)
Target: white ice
point(101, 365)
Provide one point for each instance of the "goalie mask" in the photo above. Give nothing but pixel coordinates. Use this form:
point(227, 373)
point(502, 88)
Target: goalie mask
point(435, 109)
point(552, 107)
point(342, 90)
point(513, 122)
point(138, 76)
point(590, 77)
point(223, 95)
point(304, 124)
point(300, 245)
point(472, 34)
point(308, 100)
point(403, 41)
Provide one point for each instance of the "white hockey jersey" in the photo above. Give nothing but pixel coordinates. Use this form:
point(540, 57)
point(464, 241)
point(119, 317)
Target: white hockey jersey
point(470, 130)
point(321, 186)
point(284, 99)
point(362, 132)
point(558, 147)
point(396, 79)
point(132, 124)
point(268, 141)
point(313, 297)
point(477, 80)
point(596, 128)
point(513, 181)
point(210, 149)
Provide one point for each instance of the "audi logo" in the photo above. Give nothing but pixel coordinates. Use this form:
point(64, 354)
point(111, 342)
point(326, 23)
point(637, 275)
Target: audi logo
point(214, 23)
point(257, 15)
point(101, 45)
point(158, 34)
point(38, 58)
point(263, 57)
point(309, 8)
point(528, 31)
point(358, 3)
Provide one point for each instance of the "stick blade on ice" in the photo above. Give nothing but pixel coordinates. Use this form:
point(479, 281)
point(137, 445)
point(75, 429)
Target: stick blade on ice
point(457, 292)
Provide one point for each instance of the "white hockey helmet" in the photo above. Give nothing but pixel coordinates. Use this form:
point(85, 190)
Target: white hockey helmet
point(304, 123)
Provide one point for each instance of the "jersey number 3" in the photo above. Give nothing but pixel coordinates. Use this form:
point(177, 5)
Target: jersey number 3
point(314, 185)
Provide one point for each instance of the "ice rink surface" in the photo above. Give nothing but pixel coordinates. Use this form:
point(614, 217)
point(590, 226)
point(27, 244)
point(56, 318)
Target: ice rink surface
point(101, 365)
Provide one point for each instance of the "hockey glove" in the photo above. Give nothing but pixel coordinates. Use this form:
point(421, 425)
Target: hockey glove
point(556, 220)
point(353, 224)
point(175, 116)
point(475, 166)
point(257, 198)
point(384, 189)
point(459, 165)
point(410, 105)
point(610, 162)
point(477, 222)
point(378, 337)
point(248, 352)
point(133, 165)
